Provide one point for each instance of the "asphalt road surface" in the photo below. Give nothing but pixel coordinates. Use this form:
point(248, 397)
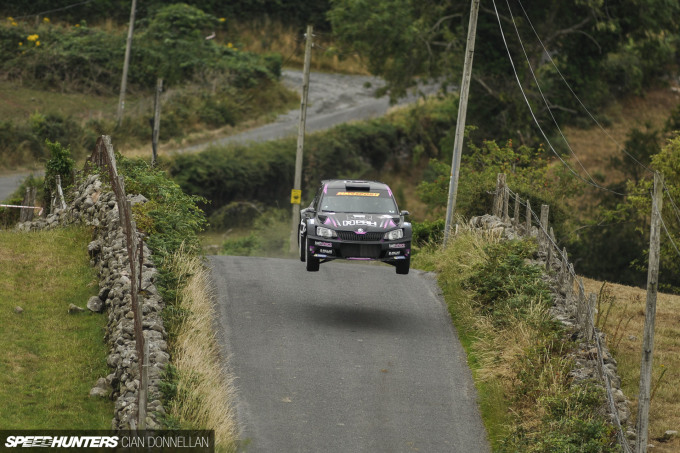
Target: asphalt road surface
point(353, 358)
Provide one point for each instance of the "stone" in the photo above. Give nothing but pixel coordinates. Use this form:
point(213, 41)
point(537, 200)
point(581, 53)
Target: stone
point(669, 435)
point(18, 310)
point(95, 304)
point(102, 389)
point(73, 309)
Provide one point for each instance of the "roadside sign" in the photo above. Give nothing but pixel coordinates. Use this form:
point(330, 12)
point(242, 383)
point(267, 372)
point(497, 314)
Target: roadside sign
point(295, 196)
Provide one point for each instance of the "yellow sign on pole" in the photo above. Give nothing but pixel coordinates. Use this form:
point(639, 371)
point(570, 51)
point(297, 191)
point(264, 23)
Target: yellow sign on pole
point(295, 196)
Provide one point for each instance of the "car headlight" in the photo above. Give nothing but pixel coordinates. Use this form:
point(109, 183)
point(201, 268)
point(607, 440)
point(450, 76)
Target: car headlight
point(394, 235)
point(325, 232)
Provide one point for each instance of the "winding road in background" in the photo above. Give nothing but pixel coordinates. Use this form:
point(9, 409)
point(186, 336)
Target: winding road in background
point(333, 99)
point(353, 358)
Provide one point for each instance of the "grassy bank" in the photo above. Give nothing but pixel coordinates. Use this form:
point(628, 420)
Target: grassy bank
point(199, 390)
point(49, 359)
point(517, 354)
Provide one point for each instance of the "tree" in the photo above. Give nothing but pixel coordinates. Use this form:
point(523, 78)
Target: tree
point(594, 45)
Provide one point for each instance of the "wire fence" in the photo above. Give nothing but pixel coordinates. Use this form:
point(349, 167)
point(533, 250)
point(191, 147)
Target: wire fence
point(581, 306)
point(104, 158)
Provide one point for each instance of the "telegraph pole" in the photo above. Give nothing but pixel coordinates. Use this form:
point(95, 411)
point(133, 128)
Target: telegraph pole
point(460, 124)
point(650, 317)
point(296, 193)
point(126, 63)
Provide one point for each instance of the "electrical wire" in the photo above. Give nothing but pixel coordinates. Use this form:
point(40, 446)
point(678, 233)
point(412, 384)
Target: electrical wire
point(547, 53)
point(42, 13)
point(533, 115)
point(545, 101)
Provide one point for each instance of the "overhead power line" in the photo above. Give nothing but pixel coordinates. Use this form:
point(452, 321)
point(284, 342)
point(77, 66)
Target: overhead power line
point(42, 13)
point(533, 115)
point(592, 117)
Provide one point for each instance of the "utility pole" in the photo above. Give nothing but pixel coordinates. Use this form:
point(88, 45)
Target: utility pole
point(296, 193)
point(650, 317)
point(460, 124)
point(156, 121)
point(126, 63)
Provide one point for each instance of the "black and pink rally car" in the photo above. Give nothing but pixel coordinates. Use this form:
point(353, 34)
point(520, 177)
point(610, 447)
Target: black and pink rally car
point(354, 220)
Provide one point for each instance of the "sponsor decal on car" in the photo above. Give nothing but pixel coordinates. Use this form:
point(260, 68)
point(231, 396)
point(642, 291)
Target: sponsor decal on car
point(323, 244)
point(393, 252)
point(326, 251)
point(397, 246)
point(359, 194)
point(359, 222)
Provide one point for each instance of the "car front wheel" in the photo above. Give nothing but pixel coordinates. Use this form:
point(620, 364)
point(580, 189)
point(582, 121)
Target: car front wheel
point(403, 266)
point(312, 261)
point(301, 247)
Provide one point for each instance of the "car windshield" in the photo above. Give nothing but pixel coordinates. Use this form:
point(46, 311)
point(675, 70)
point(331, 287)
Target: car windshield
point(375, 202)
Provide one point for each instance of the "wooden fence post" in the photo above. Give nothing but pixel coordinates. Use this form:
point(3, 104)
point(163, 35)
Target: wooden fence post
point(528, 219)
point(590, 316)
point(506, 203)
point(499, 196)
point(156, 121)
point(26, 214)
point(515, 218)
point(543, 233)
point(644, 399)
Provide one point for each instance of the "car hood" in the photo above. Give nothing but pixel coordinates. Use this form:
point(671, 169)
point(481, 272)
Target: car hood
point(354, 222)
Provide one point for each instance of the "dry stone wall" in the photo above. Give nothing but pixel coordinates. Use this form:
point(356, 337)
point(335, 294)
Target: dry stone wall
point(587, 355)
point(94, 204)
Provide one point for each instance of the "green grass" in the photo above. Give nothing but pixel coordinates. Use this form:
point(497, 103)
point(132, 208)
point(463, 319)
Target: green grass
point(49, 360)
point(20, 101)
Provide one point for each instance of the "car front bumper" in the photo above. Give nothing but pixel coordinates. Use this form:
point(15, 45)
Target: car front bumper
point(335, 248)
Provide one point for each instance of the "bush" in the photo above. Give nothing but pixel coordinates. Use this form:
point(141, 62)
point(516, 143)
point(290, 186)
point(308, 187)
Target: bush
point(61, 164)
point(505, 285)
point(428, 232)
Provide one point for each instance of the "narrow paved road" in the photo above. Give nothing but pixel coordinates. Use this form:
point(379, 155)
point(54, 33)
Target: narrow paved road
point(352, 358)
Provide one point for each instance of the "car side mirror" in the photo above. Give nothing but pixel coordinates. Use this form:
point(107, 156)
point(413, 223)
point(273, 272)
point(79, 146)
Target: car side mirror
point(404, 213)
point(309, 210)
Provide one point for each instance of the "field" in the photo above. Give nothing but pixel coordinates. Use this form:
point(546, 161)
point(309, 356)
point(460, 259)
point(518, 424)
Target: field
point(49, 359)
point(623, 324)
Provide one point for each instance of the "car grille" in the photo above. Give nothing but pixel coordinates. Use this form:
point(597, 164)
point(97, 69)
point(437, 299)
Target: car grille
point(360, 251)
point(352, 236)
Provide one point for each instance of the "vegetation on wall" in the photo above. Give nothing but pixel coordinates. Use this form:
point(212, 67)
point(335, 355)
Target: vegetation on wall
point(517, 353)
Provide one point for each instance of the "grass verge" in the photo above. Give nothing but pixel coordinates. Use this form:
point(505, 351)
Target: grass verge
point(517, 354)
point(49, 359)
point(199, 389)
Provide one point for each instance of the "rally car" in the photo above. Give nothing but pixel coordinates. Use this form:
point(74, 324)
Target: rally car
point(354, 220)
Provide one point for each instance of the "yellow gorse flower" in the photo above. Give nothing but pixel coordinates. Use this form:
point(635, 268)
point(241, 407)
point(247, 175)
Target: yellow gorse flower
point(32, 37)
point(37, 43)
point(222, 19)
point(46, 20)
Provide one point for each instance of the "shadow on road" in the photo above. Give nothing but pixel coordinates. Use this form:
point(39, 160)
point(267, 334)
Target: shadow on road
point(361, 318)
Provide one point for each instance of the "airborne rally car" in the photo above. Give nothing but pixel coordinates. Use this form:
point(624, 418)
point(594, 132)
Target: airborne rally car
point(354, 220)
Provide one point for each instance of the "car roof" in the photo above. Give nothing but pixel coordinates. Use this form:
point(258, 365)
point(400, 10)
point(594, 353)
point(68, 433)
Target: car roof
point(355, 184)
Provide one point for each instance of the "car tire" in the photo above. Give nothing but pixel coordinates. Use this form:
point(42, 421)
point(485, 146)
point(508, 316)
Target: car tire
point(312, 261)
point(403, 266)
point(302, 240)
